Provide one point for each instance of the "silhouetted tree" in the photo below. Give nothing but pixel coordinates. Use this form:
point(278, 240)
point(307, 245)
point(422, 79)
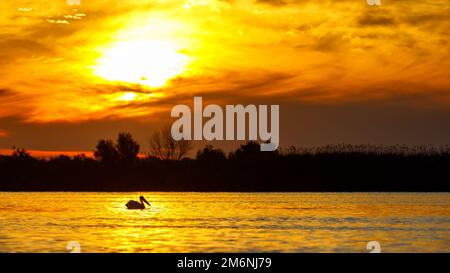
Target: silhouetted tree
point(252, 151)
point(106, 152)
point(21, 154)
point(80, 157)
point(164, 147)
point(127, 147)
point(209, 153)
point(249, 150)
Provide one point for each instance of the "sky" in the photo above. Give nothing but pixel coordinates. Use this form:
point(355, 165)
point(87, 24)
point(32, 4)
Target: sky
point(341, 71)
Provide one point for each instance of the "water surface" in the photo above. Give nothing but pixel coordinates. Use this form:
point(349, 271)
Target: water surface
point(225, 222)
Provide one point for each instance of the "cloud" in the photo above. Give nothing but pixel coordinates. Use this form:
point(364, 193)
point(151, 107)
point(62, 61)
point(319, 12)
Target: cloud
point(309, 51)
point(5, 92)
point(370, 19)
point(272, 2)
point(16, 49)
point(418, 19)
point(330, 43)
point(341, 70)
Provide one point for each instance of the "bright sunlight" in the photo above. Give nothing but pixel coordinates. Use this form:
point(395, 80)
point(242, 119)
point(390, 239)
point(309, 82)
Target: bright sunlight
point(148, 62)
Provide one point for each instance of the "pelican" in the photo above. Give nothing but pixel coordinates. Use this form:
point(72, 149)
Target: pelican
point(136, 205)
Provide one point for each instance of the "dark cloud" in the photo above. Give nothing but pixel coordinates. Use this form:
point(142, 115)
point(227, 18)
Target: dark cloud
point(272, 2)
point(376, 19)
point(115, 88)
point(5, 92)
point(418, 19)
point(20, 48)
point(331, 42)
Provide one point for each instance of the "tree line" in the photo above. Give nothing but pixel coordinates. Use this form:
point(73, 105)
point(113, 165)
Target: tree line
point(119, 165)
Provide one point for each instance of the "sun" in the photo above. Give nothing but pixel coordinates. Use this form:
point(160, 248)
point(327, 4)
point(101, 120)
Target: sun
point(148, 62)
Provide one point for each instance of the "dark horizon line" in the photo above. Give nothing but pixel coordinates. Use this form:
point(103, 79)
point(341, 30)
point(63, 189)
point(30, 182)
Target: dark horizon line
point(282, 150)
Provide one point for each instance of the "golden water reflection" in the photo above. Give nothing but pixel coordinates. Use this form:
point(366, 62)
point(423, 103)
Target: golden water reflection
point(230, 222)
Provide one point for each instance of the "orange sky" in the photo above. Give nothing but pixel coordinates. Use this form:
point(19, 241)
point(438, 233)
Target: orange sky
point(116, 62)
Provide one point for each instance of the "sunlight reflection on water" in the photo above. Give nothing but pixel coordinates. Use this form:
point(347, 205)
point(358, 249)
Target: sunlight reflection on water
point(225, 222)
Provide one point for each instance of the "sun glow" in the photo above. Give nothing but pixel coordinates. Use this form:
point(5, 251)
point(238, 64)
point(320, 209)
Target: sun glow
point(148, 62)
point(133, 96)
point(127, 96)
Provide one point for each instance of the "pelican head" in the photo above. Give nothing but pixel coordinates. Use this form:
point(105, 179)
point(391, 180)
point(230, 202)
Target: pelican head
point(142, 199)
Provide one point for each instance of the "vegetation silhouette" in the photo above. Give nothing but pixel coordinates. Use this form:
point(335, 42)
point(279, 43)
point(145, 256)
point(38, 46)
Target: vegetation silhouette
point(106, 152)
point(118, 166)
point(211, 154)
point(124, 151)
point(164, 147)
point(127, 148)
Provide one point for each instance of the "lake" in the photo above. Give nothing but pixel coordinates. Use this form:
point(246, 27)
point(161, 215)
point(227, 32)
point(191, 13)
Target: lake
point(225, 222)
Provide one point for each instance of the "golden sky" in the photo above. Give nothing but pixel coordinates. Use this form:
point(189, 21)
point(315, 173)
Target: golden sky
point(110, 60)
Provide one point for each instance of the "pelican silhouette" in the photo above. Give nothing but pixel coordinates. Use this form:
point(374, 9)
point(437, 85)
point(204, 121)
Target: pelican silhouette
point(136, 205)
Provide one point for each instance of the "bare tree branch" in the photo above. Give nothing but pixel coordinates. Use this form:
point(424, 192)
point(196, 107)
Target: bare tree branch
point(164, 147)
